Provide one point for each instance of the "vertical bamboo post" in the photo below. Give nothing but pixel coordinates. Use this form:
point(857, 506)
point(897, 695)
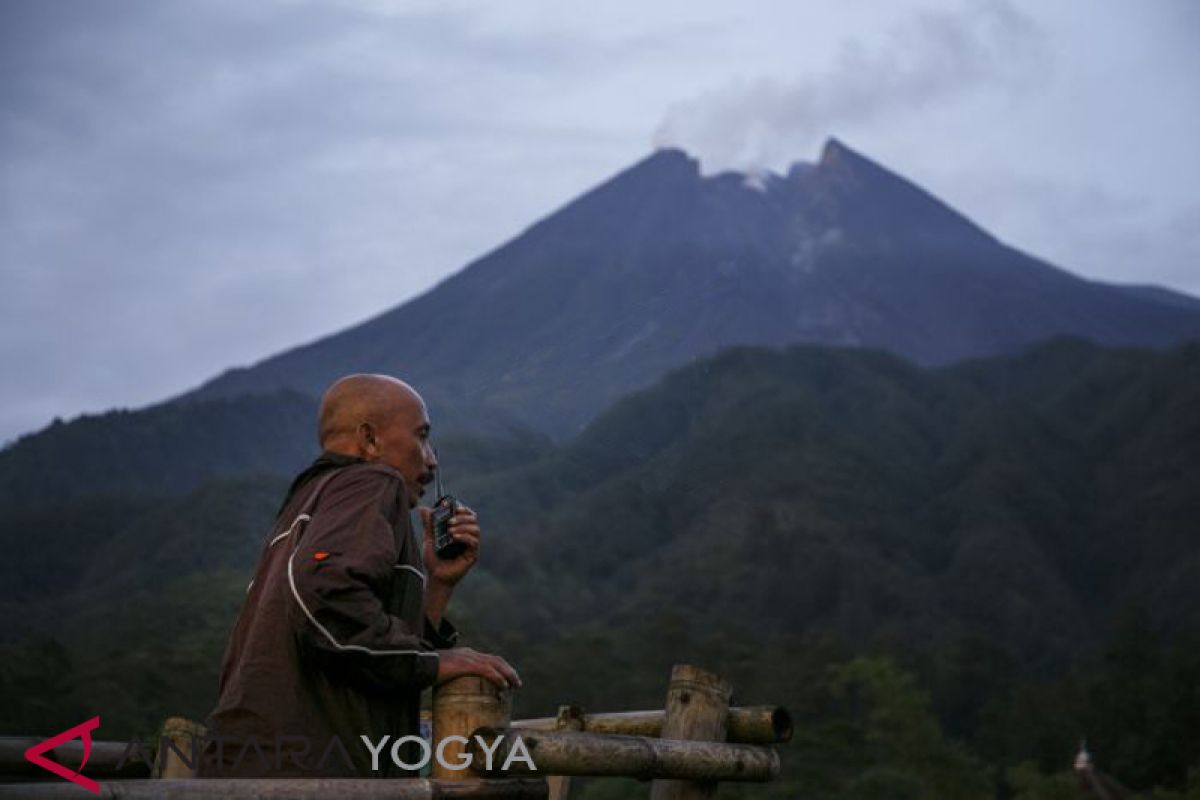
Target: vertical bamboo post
point(697, 710)
point(184, 735)
point(459, 707)
point(570, 718)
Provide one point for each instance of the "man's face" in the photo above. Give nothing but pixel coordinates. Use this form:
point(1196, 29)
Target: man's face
point(404, 444)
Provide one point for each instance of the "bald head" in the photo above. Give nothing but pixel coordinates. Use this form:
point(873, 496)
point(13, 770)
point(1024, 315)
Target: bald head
point(357, 399)
point(381, 419)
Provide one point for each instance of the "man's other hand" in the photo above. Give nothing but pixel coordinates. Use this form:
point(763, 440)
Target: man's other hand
point(460, 661)
point(464, 528)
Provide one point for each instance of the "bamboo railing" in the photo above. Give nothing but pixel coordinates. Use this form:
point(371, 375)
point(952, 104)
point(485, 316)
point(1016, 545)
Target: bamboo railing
point(686, 749)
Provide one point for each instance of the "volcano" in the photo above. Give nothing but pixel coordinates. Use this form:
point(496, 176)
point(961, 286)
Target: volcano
point(662, 264)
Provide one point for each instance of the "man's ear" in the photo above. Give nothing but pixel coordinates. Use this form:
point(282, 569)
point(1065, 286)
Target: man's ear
point(365, 438)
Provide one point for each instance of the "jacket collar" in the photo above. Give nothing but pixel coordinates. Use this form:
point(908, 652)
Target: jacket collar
point(326, 461)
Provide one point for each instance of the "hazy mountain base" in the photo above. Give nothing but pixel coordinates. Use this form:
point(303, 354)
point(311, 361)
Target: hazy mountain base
point(920, 564)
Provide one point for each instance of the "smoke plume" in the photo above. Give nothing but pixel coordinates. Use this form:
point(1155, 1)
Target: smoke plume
point(931, 57)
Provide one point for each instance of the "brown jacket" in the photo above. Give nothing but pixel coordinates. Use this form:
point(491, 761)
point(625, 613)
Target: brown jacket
point(332, 640)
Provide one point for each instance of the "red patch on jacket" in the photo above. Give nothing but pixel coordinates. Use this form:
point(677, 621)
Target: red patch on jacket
point(320, 555)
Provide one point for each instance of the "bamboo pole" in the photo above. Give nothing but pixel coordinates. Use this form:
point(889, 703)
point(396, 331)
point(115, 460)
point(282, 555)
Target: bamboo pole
point(569, 719)
point(283, 789)
point(747, 724)
point(102, 762)
point(613, 755)
point(459, 707)
point(179, 736)
point(698, 711)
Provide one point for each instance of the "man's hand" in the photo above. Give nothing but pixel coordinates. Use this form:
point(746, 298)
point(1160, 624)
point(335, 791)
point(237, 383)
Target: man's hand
point(464, 527)
point(459, 661)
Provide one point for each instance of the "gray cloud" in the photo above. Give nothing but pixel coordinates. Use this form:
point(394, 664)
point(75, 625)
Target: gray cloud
point(930, 56)
point(187, 186)
point(190, 186)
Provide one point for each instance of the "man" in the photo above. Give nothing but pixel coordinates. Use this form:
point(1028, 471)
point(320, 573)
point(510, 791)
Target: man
point(343, 623)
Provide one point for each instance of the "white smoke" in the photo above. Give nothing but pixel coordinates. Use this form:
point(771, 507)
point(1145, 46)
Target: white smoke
point(934, 55)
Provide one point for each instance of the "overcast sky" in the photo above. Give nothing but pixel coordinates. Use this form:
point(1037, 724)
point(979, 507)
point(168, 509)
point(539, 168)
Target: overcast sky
point(189, 186)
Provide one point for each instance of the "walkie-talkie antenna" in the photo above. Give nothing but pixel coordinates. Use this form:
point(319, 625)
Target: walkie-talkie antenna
point(437, 477)
point(444, 509)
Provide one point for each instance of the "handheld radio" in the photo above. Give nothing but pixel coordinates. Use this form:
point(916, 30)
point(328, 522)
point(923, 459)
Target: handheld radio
point(444, 545)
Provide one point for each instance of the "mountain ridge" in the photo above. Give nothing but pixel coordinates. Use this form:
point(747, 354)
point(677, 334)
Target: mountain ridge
point(660, 264)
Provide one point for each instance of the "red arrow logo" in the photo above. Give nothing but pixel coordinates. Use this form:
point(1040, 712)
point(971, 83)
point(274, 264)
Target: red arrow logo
point(83, 731)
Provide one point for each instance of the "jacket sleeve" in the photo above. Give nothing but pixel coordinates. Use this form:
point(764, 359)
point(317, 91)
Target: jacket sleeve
point(339, 575)
point(444, 636)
